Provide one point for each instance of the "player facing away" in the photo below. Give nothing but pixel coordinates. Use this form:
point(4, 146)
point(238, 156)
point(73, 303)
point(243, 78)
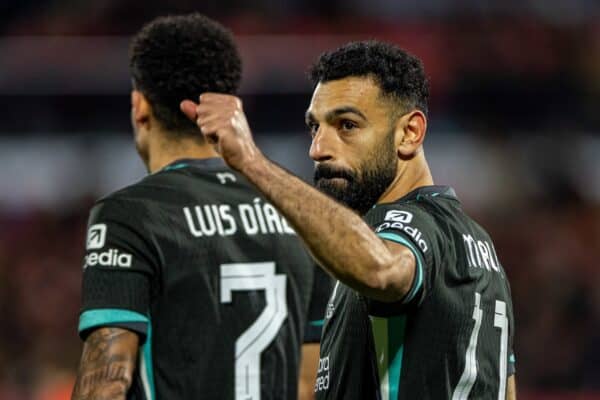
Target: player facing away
point(422, 307)
point(194, 286)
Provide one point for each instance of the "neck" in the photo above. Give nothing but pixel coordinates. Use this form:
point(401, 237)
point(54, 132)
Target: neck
point(163, 152)
point(410, 176)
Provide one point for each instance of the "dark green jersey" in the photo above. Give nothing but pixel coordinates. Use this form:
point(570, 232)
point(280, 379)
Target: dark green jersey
point(449, 338)
point(213, 279)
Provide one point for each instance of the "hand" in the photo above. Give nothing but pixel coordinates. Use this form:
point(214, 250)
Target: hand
point(222, 121)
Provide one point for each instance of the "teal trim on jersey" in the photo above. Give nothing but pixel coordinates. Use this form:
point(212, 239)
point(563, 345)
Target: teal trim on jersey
point(388, 334)
point(512, 359)
point(419, 196)
point(147, 367)
point(176, 166)
point(92, 318)
point(319, 322)
point(396, 329)
point(419, 274)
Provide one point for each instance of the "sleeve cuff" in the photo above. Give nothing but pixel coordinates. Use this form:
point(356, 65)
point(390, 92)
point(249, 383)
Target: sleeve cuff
point(312, 333)
point(91, 319)
point(511, 365)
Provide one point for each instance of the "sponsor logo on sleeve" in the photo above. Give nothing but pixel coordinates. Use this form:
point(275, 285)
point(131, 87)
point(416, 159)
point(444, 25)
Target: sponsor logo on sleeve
point(96, 237)
point(108, 258)
point(96, 240)
point(400, 220)
point(399, 216)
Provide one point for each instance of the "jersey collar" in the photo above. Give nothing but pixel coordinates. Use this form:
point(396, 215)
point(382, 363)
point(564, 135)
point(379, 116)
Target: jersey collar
point(429, 191)
point(203, 163)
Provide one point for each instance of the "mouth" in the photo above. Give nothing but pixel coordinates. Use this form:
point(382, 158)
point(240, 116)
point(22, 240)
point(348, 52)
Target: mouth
point(335, 179)
point(326, 173)
point(333, 182)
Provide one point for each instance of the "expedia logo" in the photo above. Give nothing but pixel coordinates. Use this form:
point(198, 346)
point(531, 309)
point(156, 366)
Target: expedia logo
point(109, 258)
point(399, 216)
point(96, 237)
point(413, 232)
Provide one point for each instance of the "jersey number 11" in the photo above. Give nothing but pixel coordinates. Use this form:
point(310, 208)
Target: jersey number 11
point(465, 384)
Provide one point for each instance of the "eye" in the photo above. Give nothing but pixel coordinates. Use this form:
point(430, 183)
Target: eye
point(313, 128)
point(347, 125)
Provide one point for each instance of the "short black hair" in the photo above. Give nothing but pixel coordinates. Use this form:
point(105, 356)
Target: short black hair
point(399, 74)
point(179, 57)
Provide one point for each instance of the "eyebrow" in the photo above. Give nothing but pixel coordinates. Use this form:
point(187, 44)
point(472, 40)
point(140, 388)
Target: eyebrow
point(336, 112)
point(343, 110)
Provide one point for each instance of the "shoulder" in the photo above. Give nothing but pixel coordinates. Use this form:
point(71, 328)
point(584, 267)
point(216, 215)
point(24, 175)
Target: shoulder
point(431, 208)
point(399, 213)
point(389, 208)
point(126, 204)
point(119, 221)
point(150, 188)
point(139, 190)
point(413, 220)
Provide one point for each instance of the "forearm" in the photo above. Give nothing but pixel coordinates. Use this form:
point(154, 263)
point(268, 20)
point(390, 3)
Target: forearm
point(107, 365)
point(108, 390)
point(337, 237)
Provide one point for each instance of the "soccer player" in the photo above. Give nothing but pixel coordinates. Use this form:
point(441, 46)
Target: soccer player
point(194, 286)
point(422, 307)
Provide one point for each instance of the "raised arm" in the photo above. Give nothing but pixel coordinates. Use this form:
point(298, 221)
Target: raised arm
point(337, 237)
point(107, 365)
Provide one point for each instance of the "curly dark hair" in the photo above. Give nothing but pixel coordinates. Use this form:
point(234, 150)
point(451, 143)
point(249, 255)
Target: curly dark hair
point(399, 74)
point(179, 57)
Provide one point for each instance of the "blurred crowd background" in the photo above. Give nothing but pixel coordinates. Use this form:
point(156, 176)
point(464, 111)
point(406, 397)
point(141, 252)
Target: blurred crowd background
point(514, 127)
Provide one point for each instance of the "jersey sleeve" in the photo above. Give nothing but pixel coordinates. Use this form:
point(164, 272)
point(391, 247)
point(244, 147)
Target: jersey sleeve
point(118, 269)
point(511, 364)
point(412, 227)
point(321, 289)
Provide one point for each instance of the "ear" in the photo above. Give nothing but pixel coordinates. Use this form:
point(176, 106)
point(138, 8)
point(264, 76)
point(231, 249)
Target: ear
point(410, 133)
point(141, 110)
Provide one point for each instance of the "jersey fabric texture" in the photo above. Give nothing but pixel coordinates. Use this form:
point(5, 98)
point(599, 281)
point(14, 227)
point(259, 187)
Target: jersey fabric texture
point(451, 337)
point(211, 277)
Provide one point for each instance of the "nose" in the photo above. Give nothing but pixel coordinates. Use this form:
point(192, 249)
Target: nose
point(321, 148)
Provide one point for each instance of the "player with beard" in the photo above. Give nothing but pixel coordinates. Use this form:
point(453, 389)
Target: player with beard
point(194, 287)
point(422, 308)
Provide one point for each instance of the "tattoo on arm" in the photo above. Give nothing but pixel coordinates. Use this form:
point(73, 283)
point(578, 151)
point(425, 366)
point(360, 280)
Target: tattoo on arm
point(107, 365)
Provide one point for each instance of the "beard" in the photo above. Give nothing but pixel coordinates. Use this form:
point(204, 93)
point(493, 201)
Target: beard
point(360, 189)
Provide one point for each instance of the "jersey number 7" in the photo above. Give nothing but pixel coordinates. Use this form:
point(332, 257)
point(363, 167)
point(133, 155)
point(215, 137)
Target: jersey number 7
point(254, 340)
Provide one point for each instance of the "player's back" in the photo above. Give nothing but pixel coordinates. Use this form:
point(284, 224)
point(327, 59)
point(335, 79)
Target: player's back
point(222, 279)
point(450, 337)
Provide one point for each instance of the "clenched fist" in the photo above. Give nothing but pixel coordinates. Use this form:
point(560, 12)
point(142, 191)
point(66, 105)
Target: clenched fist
point(222, 121)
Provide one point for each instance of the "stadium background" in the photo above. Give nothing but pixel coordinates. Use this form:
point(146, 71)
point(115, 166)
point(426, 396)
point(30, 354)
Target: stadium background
point(514, 127)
